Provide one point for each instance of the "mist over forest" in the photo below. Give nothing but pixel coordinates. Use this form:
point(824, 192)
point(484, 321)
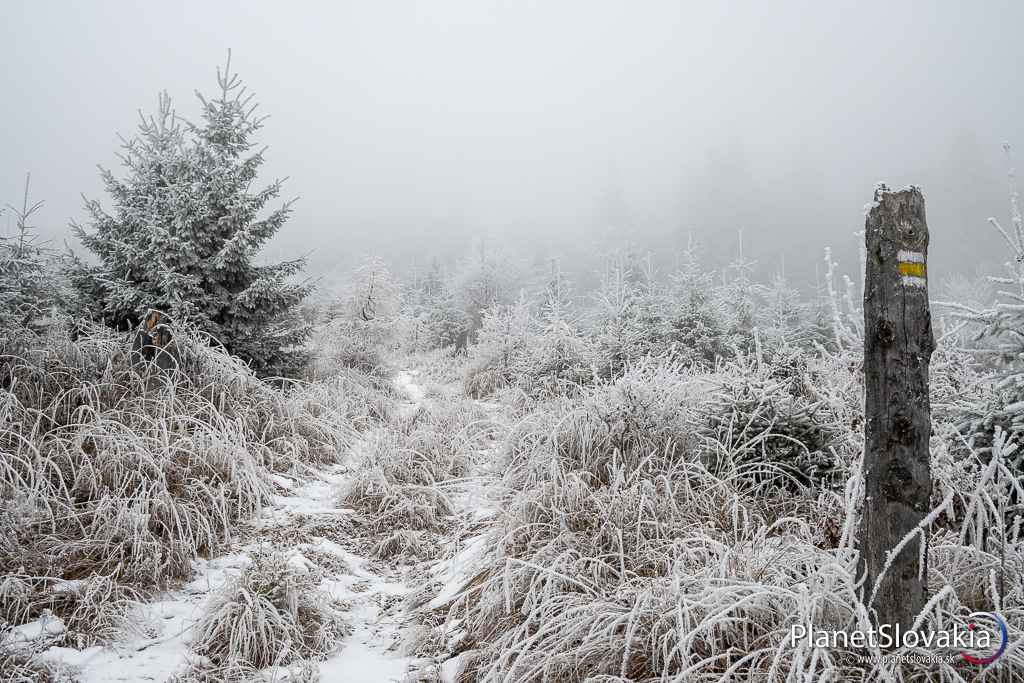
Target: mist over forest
point(558, 129)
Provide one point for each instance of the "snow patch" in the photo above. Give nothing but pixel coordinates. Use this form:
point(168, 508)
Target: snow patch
point(406, 383)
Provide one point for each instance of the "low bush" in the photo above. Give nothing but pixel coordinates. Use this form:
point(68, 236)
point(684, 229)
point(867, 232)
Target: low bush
point(346, 344)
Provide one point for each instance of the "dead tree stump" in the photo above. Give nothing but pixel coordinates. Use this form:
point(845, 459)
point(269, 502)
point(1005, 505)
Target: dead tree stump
point(898, 344)
point(154, 342)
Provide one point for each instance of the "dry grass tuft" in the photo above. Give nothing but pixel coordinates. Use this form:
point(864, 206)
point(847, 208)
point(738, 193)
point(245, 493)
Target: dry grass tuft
point(401, 478)
point(407, 544)
point(272, 614)
point(647, 535)
point(114, 477)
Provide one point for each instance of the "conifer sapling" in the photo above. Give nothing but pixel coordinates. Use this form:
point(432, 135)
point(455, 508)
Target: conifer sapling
point(185, 230)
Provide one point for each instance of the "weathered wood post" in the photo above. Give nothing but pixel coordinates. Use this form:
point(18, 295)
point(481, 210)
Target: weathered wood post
point(898, 344)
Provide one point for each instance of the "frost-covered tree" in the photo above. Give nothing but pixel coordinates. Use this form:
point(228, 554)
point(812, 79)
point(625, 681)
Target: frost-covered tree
point(185, 229)
point(485, 278)
point(26, 277)
point(840, 307)
point(446, 323)
point(781, 316)
point(561, 360)
point(957, 294)
point(1001, 336)
point(434, 314)
point(432, 284)
point(372, 294)
point(628, 318)
point(738, 295)
point(363, 320)
point(537, 276)
point(556, 303)
point(697, 318)
point(503, 349)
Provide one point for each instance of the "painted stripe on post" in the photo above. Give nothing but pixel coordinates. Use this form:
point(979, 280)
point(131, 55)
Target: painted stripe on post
point(910, 256)
point(911, 281)
point(913, 269)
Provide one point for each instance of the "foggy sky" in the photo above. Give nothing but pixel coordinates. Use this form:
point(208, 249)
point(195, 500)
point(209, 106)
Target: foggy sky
point(409, 128)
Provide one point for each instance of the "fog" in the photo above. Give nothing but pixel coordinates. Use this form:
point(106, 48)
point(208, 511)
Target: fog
point(409, 129)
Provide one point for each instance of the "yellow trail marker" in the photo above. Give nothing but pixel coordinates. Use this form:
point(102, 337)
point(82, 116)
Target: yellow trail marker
point(912, 269)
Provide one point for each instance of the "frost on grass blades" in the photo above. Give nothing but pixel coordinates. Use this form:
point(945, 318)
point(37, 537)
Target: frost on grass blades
point(502, 464)
point(655, 516)
point(117, 478)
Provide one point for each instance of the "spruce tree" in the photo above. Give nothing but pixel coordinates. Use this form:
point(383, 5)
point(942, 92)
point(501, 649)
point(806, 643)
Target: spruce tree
point(781, 314)
point(737, 294)
point(27, 285)
point(185, 228)
point(485, 278)
point(999, 338)
point(698, 318)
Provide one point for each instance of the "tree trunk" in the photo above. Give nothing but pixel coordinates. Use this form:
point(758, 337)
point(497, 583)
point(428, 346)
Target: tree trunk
point(898, 344)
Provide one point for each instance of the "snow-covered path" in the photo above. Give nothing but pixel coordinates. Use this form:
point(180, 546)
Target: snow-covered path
point(372, 590)
point(306, 521)
point(370, 654)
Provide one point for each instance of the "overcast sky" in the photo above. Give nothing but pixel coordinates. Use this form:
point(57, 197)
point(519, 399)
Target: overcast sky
point(407, 128)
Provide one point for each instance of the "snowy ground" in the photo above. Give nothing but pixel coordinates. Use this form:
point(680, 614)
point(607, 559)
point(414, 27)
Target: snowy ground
point(306, 519)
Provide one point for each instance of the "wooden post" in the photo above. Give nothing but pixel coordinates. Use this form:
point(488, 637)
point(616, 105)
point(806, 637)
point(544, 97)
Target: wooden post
point(898, 344)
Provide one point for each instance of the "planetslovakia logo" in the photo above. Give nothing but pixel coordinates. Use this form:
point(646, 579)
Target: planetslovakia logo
point(984, 633)
point(1004, 639)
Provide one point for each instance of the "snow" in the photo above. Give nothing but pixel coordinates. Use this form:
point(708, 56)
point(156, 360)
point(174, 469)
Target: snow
point(368, 654)
point(169, 620)
point(452, 573)
point(406, 382)
point(282, 481)
point(161, 647)
point(45, 627)
point(70, 657)
point(363, 665)
point(158, 647)
point(450, 669)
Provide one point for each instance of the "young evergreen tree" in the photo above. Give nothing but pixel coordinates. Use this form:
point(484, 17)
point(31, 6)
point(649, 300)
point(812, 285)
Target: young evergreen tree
point(486, 277)
point(560, 361)
point(446, 323)
point(556, 301)
point(698, 318)
point(625, 320)
point(738, 296)
point(185, 229)
point(372, 294)
point(999, 337)
point(27, 283)
point(781, 314)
